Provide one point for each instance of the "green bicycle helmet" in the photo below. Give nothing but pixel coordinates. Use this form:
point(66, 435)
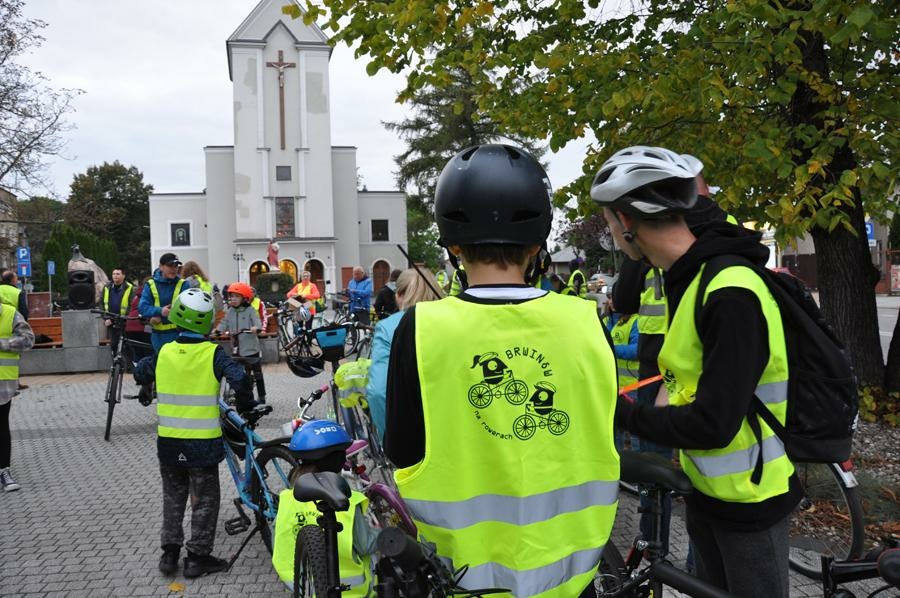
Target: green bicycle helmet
point(193, 310)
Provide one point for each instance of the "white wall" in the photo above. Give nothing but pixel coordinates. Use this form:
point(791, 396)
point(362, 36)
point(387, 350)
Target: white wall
point(383, 205)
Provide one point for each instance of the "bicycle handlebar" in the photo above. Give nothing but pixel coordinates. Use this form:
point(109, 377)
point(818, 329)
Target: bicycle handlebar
point(248, 418)
point(108, 315)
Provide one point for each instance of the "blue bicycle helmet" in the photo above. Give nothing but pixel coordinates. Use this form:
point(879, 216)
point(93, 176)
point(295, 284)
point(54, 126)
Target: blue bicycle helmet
point(319, 438)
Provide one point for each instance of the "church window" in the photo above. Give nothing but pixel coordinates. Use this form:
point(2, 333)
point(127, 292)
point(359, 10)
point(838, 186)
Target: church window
point(181, 234)
point(284, 217)
point(380, 230)
point(282, 173)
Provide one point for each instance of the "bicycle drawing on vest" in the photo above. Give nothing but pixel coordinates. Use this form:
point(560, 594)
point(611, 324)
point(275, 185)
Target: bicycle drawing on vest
point(499, 382)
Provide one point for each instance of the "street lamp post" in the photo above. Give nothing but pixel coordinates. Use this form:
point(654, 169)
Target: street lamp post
point(238, 256)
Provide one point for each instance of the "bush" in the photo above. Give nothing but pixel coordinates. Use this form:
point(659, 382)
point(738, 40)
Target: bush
point(273, 286)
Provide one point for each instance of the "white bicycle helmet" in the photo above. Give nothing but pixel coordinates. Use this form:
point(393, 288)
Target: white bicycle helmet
point(193, 310)
point(302, 314)
point(649, 182)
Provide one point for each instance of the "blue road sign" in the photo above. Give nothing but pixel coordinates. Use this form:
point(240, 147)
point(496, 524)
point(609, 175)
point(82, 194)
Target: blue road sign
point(24, 269)
point(51, 267)
point(23, 254)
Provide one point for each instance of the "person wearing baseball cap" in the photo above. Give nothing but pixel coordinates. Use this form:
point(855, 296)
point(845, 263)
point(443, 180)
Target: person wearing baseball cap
point(156, 299)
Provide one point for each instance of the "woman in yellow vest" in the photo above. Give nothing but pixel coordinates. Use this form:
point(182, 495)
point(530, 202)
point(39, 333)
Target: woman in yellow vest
point(720, 351)
point(512, 390)
point(187, 372)
point(307, 292)
point(320, 445)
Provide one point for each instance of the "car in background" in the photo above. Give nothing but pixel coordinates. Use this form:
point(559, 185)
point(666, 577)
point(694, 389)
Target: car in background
point(595, 283)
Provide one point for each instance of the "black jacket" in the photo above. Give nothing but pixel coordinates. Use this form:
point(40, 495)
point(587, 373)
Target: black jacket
point(734, 334)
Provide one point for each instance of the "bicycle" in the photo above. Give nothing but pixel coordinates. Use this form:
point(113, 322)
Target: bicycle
point(385, 504)
point(828, 521)
point(882, 561)
point(406, 567)
point(656, 477)
point(113, 393)
point(265, 472)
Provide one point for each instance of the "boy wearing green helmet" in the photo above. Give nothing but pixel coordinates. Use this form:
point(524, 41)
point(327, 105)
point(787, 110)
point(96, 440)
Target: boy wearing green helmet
point(189, 444)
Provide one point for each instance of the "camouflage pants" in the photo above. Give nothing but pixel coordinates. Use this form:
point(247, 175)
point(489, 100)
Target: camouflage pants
point(202, 484)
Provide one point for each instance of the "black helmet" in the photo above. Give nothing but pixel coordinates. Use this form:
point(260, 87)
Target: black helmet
point(306, 367)
point(493, 194)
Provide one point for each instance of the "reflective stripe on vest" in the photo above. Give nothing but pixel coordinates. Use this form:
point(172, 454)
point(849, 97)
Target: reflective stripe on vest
point(9, 360)
point(725, 473)
point(652, 311)
point(10, 295)
point(123, 306)
point(627, 369)
point(162, 327)
point(187, 390)
point(292, 515)
point(530, 460)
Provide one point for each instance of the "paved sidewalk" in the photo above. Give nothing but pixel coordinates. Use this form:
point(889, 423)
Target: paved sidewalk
point(86, 521)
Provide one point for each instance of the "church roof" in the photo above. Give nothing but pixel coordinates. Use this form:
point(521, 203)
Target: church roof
point(268, 16)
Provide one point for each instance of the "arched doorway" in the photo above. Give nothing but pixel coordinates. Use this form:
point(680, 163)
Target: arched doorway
point(257, 268)
point(316, 273)
point(289, 267)
point(381, 272)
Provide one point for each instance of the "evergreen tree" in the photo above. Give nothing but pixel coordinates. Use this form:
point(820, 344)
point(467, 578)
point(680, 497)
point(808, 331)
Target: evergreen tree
point(59, 249)
point(444, 121)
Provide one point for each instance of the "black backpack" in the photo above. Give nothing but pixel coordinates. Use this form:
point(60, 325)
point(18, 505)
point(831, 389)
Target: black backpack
point(822, 401)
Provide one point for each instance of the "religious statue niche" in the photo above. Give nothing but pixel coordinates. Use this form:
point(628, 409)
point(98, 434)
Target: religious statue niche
point(181, 234)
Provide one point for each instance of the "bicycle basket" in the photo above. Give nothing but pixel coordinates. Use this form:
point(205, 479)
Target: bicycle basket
point(331, 340)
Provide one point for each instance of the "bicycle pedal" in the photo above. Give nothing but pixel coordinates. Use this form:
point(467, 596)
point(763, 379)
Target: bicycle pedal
point(238, 525)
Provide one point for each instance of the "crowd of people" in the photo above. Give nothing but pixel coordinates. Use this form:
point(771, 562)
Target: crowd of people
point(507, 325)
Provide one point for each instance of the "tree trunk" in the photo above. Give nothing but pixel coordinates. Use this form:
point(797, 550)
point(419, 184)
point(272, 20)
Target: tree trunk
point(847, 296)
point(892, 371)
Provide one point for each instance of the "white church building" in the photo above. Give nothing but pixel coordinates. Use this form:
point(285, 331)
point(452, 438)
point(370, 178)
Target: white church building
point(282, 179)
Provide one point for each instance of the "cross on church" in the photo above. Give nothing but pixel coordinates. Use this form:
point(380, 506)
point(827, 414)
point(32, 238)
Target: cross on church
point(281, 65)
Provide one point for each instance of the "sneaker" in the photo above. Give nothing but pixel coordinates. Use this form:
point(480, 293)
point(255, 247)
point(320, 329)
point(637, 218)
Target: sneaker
point(196, 565)
point(168, 562)
point(7, 481)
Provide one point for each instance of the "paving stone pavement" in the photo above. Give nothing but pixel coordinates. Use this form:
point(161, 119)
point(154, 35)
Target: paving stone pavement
point(86, 521)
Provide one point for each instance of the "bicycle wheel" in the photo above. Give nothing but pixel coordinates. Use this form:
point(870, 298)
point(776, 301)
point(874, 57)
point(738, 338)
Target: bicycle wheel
point(611, 573)
point(310, 563)
point(276, 464)
point(351, 341)
point(113, 395)
point(828, 521)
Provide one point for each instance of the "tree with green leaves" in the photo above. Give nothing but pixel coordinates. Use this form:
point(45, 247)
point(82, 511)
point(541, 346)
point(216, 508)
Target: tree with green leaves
point(792, 106)
point(37, 217)
point(112, 202)
point(58, 248)
point(444, 121)
point(590, 235)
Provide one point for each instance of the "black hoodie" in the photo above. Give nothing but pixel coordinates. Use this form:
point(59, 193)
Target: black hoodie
point(734, 335)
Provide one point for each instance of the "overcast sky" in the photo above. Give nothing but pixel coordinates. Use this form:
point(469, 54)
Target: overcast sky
point(156, 91)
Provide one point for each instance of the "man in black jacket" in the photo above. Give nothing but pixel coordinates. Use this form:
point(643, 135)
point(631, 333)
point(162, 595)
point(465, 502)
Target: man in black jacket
point(386, 300)
point(713, 368)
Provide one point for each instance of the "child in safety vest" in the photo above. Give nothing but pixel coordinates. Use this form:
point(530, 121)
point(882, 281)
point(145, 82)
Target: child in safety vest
point(320, 445)
point(502, 375)
point(242, 319)
point(187, 372)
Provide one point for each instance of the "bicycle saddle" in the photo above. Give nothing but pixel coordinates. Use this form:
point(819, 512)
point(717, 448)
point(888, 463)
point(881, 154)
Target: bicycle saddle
point(649, 468)
point(328, 487)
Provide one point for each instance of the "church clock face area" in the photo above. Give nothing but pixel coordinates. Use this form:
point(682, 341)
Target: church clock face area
point(282, 178)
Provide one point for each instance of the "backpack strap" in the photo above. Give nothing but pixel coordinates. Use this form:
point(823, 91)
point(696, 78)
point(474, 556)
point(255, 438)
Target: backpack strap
point(757, 408)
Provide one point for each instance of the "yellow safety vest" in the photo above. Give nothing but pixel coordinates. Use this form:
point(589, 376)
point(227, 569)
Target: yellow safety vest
point(724, 473)
point(570, 286)
point(442, 279)
point(293, 514)
point(205, 286)
point(10, 295)
point(162, 327)
point(126, 295)
point(627, 369)
point(187, 391)
point(652, 312)
point(529, 461)
point(455, 283)
point(9, 360)
point(303, 291)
